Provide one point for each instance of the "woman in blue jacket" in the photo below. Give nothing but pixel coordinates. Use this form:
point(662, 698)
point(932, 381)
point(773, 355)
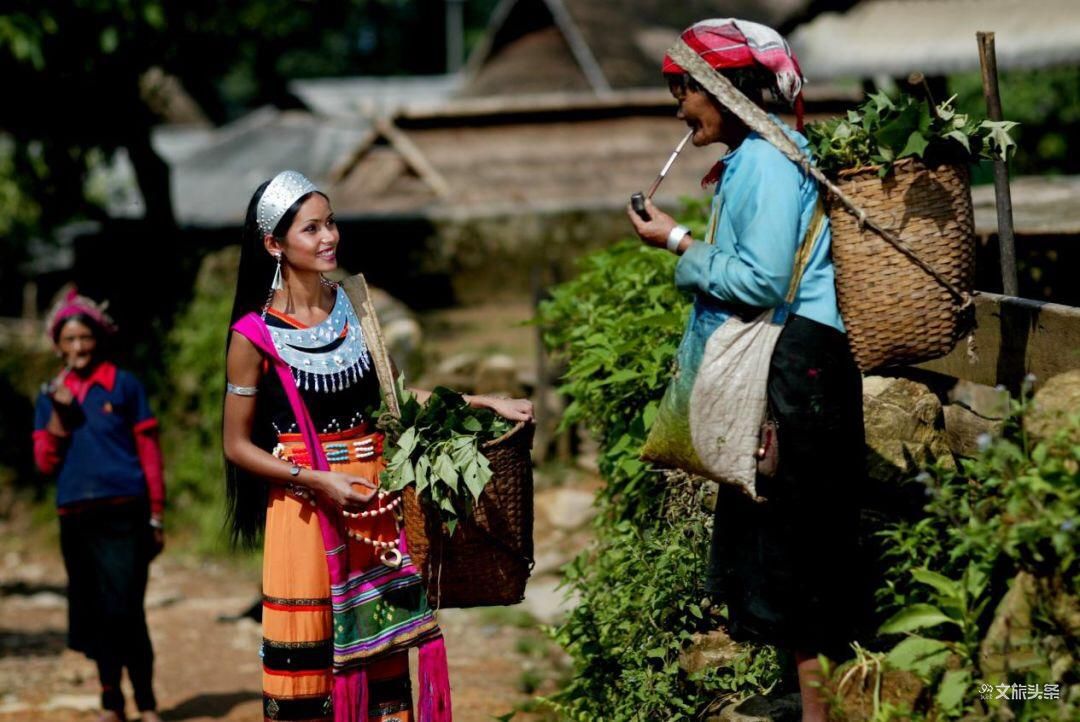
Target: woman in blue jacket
point(778, 565)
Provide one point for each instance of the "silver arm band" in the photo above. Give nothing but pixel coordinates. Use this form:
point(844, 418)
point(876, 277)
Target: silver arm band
point(240, 390)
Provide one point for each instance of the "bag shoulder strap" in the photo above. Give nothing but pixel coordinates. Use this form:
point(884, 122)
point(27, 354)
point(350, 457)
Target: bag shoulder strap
point(814, 231)
point(356, 289)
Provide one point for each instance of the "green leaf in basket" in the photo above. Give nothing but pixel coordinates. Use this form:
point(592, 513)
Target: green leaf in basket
point(421, 482)
point(960, 138)
point(998, 137)
point(476, 478)
point(444, 467)
point(916, 146)
point(407, 441)
point(881, 101)
point(423, 473)
point(471, 423)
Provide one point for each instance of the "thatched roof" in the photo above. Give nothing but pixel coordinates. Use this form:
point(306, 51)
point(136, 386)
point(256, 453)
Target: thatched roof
point(937, 37)
point(472, 157)
point(373, 96)
point(212, 186)
point(522, 157)
point(558, 45)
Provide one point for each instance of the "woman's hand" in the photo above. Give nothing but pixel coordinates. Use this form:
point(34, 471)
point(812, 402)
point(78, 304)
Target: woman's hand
point(655, 231)
point(159, 543)
point(510, 409)
point(341, 489)
point(58, 390)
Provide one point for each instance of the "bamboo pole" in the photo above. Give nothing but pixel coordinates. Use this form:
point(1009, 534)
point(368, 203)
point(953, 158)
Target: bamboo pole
point(1002, 194)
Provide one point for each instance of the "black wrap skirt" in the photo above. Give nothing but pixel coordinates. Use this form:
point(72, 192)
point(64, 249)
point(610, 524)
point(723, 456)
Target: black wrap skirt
point(787, 567)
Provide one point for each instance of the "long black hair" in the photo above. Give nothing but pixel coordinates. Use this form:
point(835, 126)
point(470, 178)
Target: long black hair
point(246, 493)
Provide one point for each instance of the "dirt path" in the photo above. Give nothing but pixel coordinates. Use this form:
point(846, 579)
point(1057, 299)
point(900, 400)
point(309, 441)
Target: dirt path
point(208, 669)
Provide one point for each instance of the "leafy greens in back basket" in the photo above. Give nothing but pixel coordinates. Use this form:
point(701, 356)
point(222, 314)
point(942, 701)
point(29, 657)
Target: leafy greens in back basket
point(436, 446)
point(882, 131)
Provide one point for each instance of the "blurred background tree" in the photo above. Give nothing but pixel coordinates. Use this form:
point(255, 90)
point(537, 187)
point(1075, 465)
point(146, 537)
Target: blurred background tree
point(1046, 103)
point(79, 79)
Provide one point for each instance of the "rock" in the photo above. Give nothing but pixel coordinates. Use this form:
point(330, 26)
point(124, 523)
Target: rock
point(401, 331)
point(1056, 406)
point(706, 651)
point(963, 428)
point(905, 428)
point(710, 491)
point(566, 509)
point(550, 561)
point(1008, 642)
point(497, 374)
point(545, 601)
point(786, 708)
point(46, 600)
point(78, 702)
point(1009, 646)
point(10, 704)
point(163, 598)
point(403, 338)
point(986, 401)
point(456, 372)
point(857, 689)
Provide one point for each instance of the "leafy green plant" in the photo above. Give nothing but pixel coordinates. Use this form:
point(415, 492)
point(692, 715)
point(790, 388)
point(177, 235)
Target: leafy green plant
point(640, 606)
point(639, 601)
point(1011, 509)
point(1046, 103)
point(436, 446)
point(616, 326)
point(882, 131)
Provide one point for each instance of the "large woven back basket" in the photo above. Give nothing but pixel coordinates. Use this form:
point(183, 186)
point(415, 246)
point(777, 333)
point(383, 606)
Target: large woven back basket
point(894, 311)
point(488, 559)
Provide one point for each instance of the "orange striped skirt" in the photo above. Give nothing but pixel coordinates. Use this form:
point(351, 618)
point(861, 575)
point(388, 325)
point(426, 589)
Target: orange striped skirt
point(297, 649)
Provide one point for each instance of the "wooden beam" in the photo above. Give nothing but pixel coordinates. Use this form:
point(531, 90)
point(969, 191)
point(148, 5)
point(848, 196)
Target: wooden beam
point(342, 169)
point(413, 156)
point(579, 46)
point(1015, 337)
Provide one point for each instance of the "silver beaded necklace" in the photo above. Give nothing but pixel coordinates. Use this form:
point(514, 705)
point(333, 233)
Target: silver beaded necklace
point(314, 365)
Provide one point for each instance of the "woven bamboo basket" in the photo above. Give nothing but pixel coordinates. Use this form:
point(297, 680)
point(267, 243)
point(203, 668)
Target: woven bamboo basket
point(488, 559)
point(895, 312)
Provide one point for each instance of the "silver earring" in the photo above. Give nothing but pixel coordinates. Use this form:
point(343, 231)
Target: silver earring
point(277, 284)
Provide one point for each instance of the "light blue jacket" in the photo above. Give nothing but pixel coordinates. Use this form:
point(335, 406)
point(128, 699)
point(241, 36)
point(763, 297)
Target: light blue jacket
point(765, 204)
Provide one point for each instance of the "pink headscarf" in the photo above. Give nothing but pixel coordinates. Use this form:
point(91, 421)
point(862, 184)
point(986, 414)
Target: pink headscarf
point(730, 43)
point(72, 304)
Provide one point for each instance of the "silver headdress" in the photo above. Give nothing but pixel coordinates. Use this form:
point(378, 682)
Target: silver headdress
point(284, 190)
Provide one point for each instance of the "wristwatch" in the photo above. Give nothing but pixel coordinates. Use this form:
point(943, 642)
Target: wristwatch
point(294, 470)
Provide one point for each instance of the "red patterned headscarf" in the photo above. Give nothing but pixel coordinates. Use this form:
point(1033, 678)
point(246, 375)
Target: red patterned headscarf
point(730, 43)
point(72, 304)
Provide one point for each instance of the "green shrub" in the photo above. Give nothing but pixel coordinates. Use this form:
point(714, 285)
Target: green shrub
point(191, 407)
point(616, 327)
point(1012, 510)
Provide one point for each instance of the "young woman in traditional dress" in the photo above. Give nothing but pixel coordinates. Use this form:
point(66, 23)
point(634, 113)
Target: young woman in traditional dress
point(782, 566)
point(94, 429)
point(342, 602)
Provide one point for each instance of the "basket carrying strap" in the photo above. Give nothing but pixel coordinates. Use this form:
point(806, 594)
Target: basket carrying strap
point(757, 119)
point(356, 289)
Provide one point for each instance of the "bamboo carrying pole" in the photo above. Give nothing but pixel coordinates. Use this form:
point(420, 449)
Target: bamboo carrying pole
point(1002, 194)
